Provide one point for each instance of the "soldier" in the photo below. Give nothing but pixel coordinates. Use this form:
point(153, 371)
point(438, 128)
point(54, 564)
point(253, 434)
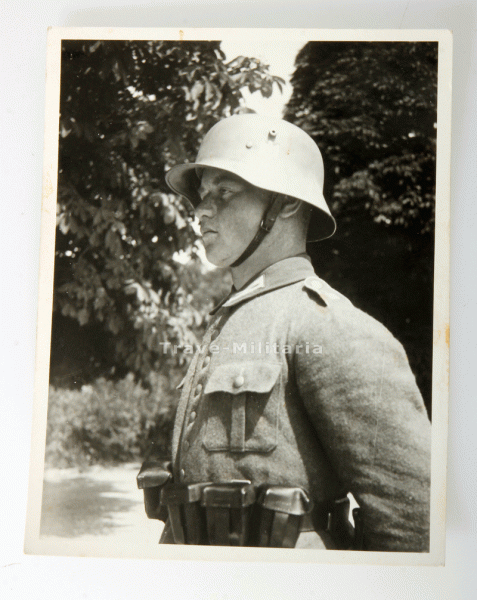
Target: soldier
point(295, 398)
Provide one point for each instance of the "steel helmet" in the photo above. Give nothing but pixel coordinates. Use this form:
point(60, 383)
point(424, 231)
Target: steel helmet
point(271, 154)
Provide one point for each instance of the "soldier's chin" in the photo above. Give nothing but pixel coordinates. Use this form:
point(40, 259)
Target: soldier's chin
point(213, 256)
point(217, 259)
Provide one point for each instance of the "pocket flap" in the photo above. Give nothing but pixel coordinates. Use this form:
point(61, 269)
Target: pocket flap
point(236, 378)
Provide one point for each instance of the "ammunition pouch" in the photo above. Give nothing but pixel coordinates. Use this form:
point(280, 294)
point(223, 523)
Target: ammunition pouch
point(152, 477)
point(280, 514)
point(185, 514)
point(228, 509)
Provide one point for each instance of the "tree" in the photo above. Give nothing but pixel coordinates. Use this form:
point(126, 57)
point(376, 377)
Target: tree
point(371, 108)
point(129, 111)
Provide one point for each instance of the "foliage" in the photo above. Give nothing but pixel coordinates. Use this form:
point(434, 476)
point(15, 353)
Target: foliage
point(371, 108)
point(129, 110)
point(106, 422)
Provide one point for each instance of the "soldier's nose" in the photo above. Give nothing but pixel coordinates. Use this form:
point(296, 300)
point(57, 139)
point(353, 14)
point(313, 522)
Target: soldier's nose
point(204, 208)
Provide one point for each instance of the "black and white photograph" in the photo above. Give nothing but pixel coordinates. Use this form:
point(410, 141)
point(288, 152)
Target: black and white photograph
point(243, 327)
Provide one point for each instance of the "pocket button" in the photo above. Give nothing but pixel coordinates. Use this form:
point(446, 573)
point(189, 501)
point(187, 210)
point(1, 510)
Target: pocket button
point(238, 381)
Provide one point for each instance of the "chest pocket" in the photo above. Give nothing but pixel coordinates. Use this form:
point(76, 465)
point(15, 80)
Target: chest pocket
point(243, 402)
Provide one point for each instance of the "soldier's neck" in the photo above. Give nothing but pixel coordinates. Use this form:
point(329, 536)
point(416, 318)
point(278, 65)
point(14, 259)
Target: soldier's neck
point(262, 258)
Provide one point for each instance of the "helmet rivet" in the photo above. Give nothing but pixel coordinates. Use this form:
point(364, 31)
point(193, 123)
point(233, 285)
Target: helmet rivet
point(248, 145)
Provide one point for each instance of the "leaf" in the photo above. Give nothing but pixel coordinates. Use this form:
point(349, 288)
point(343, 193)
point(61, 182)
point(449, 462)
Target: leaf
point(196, 90)
point(83, 316)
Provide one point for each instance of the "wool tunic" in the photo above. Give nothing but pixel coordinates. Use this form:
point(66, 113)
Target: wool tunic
point(293, 385)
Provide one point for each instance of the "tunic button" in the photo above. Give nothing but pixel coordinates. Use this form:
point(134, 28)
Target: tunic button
point(193, 415)
point(198, 389)
point(186, 445)
point(206, 362)
point(182, 473)
point(239, 381)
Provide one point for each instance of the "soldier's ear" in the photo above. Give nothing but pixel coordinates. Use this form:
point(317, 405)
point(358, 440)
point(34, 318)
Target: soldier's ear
point(290, 207)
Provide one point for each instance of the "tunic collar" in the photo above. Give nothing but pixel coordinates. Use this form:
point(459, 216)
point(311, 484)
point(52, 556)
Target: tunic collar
point(280, 274)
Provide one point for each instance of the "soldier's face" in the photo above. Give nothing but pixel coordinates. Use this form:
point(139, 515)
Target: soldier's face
point(229, 214)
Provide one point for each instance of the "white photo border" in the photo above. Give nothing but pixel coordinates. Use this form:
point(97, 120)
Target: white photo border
point(440, 371)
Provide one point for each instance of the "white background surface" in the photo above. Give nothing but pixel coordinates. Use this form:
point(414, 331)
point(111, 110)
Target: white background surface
point(23, 54)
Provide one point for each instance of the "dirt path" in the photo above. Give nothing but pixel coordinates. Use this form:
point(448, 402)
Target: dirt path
point(96, 504)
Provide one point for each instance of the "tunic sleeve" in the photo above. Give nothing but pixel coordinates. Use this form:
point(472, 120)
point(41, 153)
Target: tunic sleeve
point(371, 421)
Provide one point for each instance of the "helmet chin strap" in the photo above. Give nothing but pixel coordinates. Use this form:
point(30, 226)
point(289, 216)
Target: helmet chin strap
point(266, 225)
